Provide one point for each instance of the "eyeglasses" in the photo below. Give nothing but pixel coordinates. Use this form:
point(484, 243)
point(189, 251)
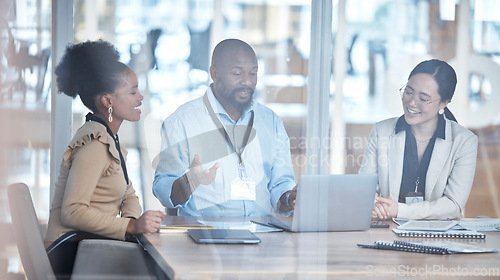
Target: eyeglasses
point(407, 95)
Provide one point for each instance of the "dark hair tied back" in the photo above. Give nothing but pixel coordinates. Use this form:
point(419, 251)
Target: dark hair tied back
point(89, 69)
point(445, 77)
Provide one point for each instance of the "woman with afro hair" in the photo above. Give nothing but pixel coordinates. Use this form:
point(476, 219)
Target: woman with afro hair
point(94, 197)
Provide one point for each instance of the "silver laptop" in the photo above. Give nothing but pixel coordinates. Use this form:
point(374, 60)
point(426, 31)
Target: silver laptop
point(333, 203)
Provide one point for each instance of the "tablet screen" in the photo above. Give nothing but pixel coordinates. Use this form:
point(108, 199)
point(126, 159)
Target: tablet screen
point(428, 225)
point(223, 236)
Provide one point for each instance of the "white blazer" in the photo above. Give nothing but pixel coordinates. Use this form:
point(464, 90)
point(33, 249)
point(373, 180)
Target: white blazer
point(449, 176)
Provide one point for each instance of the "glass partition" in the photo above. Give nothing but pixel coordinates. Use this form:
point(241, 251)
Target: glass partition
point(25, 78)
point(168, 43)
point(387, 38)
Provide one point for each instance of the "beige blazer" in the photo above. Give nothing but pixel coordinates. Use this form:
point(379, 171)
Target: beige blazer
point(449, 176)
point(91, 193)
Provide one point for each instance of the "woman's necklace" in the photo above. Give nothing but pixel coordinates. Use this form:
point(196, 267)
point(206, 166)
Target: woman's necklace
point(422, 141)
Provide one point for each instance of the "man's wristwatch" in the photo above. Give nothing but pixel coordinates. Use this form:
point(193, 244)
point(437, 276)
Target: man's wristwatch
point(287, 199)
point(188, 183)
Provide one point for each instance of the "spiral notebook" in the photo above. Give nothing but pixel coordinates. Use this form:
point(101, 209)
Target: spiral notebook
point(464, 234)
point(428, 247)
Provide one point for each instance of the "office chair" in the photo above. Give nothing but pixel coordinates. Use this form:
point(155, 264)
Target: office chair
point(100, 259)
point(96, 258)
point(27, 234)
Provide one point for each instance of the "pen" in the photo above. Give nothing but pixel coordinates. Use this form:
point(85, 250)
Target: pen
point(261, 223)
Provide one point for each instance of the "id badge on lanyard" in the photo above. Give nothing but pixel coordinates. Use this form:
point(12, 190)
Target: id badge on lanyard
point(242, 187)
point(414, 197)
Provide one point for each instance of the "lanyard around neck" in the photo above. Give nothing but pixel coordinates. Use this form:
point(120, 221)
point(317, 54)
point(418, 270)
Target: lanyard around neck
point(223, 131)
point(92, 117)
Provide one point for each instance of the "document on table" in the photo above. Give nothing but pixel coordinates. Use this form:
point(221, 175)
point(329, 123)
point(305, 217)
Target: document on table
point(477, 224)
point(481, 224)
point(182, 228)
point(253, 227)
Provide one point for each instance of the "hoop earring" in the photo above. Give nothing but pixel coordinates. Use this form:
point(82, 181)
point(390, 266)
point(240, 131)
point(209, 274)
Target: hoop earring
point(110, 111)
point(441, 111)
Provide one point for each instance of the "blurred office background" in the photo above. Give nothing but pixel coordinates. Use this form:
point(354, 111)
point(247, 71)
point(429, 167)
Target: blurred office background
point(371, 49)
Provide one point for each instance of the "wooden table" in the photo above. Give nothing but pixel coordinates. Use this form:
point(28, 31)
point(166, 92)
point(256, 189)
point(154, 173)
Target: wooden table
point(323, 255)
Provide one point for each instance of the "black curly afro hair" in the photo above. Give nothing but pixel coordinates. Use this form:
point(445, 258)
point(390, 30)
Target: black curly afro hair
point(89, 69)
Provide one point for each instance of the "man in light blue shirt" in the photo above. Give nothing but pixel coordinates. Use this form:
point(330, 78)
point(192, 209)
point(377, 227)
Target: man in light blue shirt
point(223, 154)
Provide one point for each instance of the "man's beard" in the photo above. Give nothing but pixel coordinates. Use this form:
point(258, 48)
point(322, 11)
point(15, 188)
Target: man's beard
point(241, 106)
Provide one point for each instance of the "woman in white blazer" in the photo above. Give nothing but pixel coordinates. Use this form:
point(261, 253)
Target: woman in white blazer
point(425, 160)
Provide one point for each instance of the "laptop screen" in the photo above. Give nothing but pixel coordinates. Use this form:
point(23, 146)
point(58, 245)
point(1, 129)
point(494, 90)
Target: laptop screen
point(334, 202)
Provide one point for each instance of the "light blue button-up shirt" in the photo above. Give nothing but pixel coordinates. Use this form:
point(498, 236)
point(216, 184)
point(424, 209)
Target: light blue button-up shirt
point(190, 130)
